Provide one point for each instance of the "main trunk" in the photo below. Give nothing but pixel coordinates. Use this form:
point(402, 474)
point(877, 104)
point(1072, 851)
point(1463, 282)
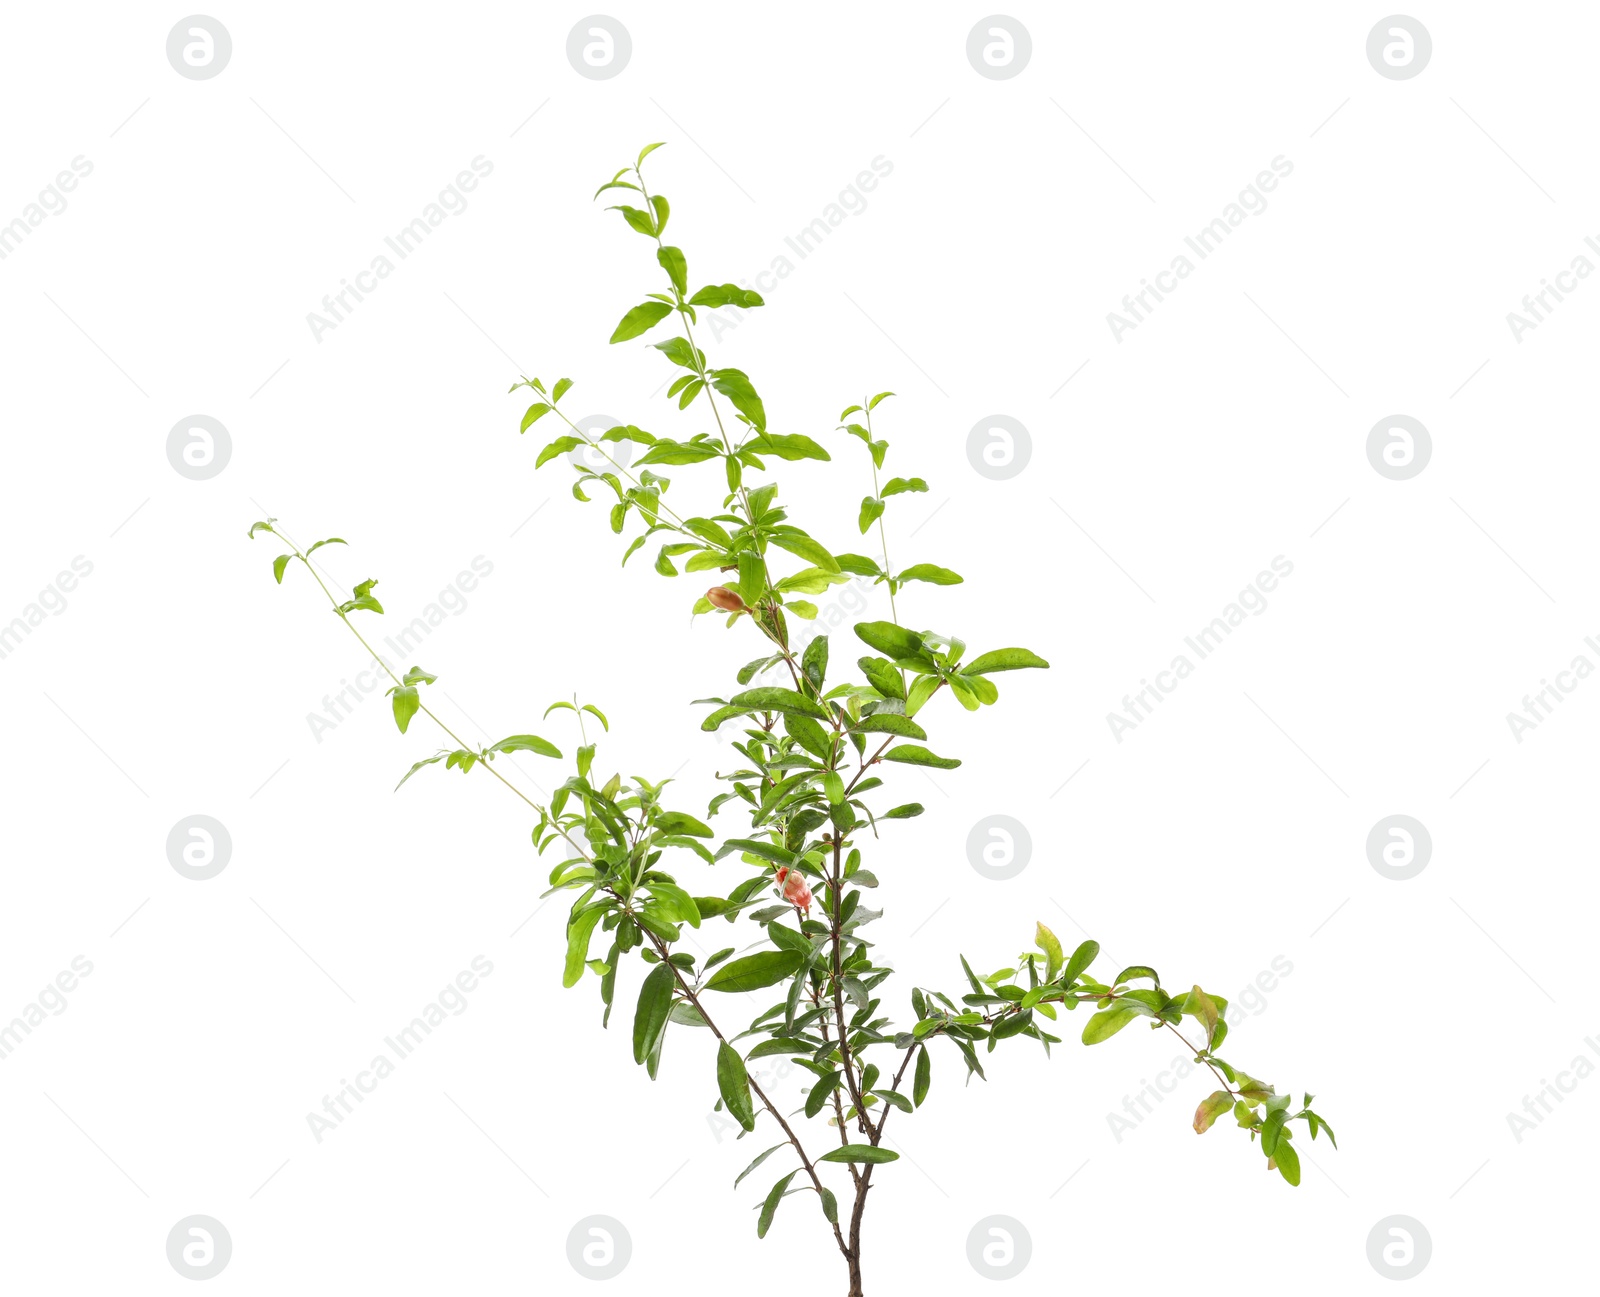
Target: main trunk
point(854, 1257)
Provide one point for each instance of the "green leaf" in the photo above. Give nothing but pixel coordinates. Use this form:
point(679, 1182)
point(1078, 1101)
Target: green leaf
point(769, 1208)
point(716, 718)
point(909, 811)
point(758, 1162)
point(1082, 957)
point(1051, 945)
point(1203, 1007)
point(679, 452)
point(923, 1077)
point(782, 1045)
point(563, 385)
point(882, 676)
point(1288, 1162)
point(679, 822)
point(641, 319)
point(820, 1094)
point(638, 220)
point(871, 511)
point(578, 931)
point(922, 689)
point(858, 565)
point(736, 386)
point(675, 904)
point(715, 295)
point(764, 968)
point(881, 396)
point(933, 575)
point(755, 847)
point(830, 1206)
point(672, 261)
point(406, 703)
point(680, 352)
point(363, 600)
point(1107, 1023)
point(895, 1098)
point(809, 735)
point(650, 1018)
point(527, 743)
point(1211, 1107)
point(814, 661)
point(912, 754)
point(860, 1153)
point(764, 1157)
point(560, 446)
point(797, 542)
point(536, 411)
point(787, 446)
point(1272, 1132)
point(1136, 970)
point(896, 485)
point(890, 640)
point(1006, 659)
point(734, 1085)
point(774, 698)
point(426, 761)
point(278, 566)
point(646, 152)
point(788, 939)
point(890, 723)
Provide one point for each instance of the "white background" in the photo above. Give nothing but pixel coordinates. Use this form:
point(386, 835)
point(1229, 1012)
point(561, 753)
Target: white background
point(1229, 428)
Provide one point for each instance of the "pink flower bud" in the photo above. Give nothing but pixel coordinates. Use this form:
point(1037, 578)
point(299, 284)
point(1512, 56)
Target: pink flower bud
point(794, 888)
point(728, 600)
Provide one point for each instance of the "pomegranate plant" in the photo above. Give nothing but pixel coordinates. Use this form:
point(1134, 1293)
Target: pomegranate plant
point(819, 746)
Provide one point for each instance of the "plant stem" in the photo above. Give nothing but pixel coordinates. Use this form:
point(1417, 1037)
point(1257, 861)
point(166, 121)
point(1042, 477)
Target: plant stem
point(659, 945)
point(689, 994)
point(883, 538)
